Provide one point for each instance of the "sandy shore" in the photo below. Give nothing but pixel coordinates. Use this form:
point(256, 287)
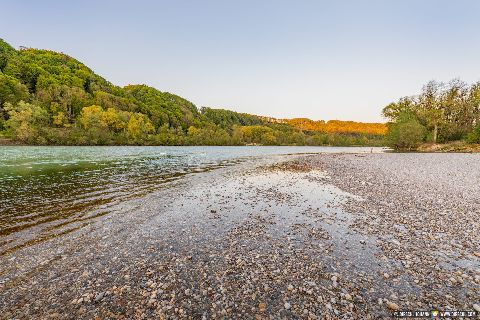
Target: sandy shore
point(313, 237)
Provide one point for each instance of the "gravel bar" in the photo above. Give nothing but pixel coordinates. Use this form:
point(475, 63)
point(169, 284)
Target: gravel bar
point(327, 236)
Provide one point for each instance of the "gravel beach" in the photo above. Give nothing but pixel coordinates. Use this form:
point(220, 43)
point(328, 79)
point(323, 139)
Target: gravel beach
point(327, 236)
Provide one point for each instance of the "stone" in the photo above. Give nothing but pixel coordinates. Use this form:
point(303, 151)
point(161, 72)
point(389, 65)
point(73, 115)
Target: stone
point(261, 307)
point(99, 297)
point(392, 306)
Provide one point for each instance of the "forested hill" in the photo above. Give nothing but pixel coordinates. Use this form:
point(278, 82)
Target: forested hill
point(47, 97)
point(338, 126)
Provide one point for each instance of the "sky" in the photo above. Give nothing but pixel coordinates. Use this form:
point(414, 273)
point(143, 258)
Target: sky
point(318, 59)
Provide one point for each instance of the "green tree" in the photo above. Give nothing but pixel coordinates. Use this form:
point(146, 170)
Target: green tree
point(395, 109)
point(474, 136)
point(6, 52)
point(11, 90)
point(429, 107)
point(406, 133)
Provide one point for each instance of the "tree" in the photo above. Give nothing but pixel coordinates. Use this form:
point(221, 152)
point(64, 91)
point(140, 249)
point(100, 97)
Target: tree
point(80, 107)
point(60, 120)
point(138, 127)
point(208, 135)
point(406, 133)
point(92, 118)
point(6, 51)
point(429, 107)
point(459, 119)
point(11, 90)
point(93, 123)
point(113, 119)
point(25, 121)
point(395, 109)
point(61, 98)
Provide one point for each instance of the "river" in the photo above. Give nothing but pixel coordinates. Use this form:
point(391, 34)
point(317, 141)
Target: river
point(48, 191)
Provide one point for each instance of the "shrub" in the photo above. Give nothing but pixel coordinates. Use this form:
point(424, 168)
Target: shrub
point(406, 133)
point(474, 136)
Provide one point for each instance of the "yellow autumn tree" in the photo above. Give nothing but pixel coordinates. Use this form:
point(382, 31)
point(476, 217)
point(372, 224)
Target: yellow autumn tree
point(139, 126)
point(25, 121)
point(112, 119)
point(61, 120)
point(92, 118)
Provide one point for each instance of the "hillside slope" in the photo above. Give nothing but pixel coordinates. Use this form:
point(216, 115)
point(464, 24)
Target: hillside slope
point(48, 97)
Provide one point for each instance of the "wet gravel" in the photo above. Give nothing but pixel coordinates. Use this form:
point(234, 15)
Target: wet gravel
point(346, 236)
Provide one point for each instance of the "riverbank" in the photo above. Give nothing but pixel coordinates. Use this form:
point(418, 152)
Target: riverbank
point(455, 146)
point(452, 147)
point(8, 142)
point(319, 237)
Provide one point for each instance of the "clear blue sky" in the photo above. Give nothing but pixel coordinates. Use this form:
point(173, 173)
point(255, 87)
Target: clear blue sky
point(316, 59)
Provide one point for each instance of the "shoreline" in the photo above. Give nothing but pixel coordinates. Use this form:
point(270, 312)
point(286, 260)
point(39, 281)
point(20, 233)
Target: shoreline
point(452, 147)
point(456, 147)
point(12, 143)
point(305, 236)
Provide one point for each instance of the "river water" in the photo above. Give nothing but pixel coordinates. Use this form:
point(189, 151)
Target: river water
point(46, 191)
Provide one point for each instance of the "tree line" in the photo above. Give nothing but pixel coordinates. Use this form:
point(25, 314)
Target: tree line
point(48, 97)
point(441, 113)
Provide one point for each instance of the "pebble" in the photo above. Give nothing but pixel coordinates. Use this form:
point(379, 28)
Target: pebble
point(241, 263)
point(261, 307)
point(99, 297)
point(393, 306)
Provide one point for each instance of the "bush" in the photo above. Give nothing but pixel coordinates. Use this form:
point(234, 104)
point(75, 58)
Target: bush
point(406, 133)
point(474, 136)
